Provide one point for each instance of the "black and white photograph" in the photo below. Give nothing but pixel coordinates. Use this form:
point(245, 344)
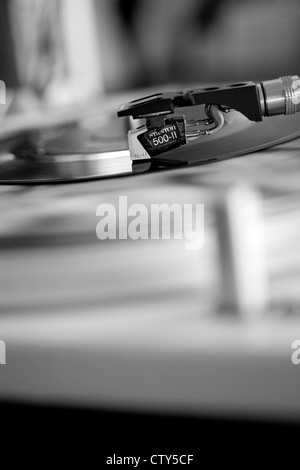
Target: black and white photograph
point(149, 233)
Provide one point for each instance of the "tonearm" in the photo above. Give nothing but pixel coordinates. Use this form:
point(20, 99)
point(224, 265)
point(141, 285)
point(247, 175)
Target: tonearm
point(162, 130)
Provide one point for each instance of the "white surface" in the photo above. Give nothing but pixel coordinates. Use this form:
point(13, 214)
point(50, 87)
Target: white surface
point(135, 324)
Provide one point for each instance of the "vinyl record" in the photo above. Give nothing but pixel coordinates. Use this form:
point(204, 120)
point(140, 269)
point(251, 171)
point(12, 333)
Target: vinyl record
point(82, 151)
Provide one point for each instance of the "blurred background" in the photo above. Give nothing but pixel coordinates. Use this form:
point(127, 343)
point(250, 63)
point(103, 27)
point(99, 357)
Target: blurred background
point(75, 312)
point(69, 50)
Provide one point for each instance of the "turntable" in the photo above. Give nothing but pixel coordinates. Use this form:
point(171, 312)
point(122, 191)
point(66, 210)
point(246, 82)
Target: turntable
point(146, 324)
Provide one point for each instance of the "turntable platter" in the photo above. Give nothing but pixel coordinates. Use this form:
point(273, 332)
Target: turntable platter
point(77, 153)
